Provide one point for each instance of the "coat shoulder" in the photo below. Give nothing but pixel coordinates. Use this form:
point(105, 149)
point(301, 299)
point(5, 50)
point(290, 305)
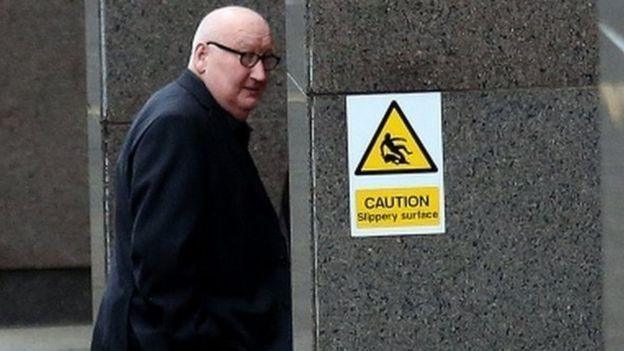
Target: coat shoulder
point(174, 107)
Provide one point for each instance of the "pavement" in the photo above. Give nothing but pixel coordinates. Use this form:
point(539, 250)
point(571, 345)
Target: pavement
point(65, 338)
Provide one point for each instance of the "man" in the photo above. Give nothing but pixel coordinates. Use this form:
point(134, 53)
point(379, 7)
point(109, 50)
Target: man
point(199, 261)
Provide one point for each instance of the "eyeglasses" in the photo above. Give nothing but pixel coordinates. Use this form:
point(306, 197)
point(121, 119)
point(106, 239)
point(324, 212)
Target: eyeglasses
point(249, 59)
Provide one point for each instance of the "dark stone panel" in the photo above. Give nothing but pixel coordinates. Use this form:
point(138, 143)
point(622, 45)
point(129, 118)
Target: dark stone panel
point(363, 46)
point(44, 206)
point(45, 297)
point(269, 149)
point(519, 266)
point(148, 44)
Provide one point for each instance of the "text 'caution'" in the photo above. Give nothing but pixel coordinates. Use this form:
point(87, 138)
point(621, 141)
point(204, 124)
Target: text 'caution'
point(401, 207)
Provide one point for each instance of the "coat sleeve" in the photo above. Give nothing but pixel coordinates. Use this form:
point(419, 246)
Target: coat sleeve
point(168, 188)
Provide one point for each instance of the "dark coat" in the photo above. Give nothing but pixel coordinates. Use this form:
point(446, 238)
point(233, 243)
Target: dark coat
point(199, 261)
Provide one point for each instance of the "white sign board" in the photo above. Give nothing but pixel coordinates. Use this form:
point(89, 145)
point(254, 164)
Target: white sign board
point(396, 184)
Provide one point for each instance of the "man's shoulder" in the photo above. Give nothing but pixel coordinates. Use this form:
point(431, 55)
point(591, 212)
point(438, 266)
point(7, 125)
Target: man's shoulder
point(171, 99)
point(171, 107)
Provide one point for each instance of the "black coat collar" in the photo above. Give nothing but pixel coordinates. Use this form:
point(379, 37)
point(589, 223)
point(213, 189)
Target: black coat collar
point(189, 81)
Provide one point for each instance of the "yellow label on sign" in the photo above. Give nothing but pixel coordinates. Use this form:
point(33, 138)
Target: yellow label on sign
point(402, 207)
point(395, 148)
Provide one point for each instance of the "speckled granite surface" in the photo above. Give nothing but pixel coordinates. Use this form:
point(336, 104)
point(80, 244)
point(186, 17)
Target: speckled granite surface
point(44, 297)
point(44, 201)
point(519, 266)
point(360, 46)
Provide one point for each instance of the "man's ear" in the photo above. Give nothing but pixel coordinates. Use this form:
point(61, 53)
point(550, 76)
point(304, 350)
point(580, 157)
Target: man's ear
point(200, 55)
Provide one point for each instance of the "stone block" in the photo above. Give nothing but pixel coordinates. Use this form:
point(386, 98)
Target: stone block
point(44, 206)
point(45, 297)
point(520, 264)
point(269, 148)
point(364, 46)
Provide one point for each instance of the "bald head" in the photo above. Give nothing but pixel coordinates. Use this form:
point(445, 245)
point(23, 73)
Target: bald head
point(226, 23)
point(222, 44)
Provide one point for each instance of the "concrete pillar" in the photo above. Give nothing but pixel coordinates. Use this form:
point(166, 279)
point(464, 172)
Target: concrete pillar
point(612, 168)
point(519, 266)
point(44, 203)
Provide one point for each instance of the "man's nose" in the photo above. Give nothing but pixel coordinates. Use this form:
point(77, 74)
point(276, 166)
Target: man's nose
point(258, 73)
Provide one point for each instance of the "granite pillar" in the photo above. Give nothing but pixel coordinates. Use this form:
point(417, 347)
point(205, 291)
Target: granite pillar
point(44, 202)
point(519, 266)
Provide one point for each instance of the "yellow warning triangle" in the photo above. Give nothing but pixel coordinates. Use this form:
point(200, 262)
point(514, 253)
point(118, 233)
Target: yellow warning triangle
point(395, 148)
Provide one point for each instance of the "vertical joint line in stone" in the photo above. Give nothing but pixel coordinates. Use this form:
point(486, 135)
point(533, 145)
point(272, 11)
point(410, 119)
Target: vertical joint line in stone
point(106, 185)
point(310, 46)
point(310, 112)
point(104, 96)
point(103, 119)
point(95, 146)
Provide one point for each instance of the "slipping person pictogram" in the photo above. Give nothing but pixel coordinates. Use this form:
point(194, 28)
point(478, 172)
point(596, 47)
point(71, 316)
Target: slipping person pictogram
point(392, 152)
point(395, 148)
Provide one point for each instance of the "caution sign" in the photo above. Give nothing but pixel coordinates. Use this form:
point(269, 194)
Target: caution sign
point(396, 164)
point(395, 148)
point(401, 207)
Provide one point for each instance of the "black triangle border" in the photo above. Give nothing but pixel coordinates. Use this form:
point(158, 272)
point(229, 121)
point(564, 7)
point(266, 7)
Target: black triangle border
point(433, 167)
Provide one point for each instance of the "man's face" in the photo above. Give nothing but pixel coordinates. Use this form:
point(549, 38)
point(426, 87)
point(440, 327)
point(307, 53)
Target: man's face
point(237, 88)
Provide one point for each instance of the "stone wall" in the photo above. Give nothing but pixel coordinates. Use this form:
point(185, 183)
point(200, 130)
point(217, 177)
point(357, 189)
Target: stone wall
point(519, 266)
point(44, 197)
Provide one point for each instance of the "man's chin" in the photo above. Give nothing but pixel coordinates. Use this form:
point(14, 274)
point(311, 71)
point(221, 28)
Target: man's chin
point(249, 103)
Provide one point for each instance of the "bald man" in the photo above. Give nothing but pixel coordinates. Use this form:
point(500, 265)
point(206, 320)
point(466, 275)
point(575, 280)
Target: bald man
point(199, 262)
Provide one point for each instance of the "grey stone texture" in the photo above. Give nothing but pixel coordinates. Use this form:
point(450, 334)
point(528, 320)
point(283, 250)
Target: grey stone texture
point(45, 297)
point(44, 206)
point(269, 148)
point(363, 46)
point(519, 267)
